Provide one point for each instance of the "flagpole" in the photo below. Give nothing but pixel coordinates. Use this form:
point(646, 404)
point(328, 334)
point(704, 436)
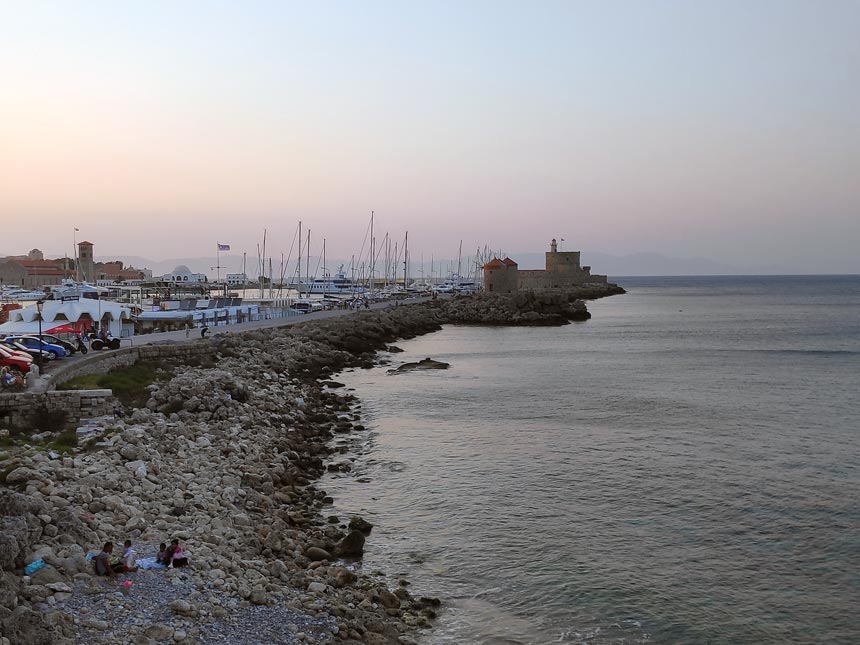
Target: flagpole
point(77, 260)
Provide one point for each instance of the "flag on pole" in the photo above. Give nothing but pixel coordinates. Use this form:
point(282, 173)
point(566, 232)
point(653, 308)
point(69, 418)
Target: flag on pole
point(223, 247)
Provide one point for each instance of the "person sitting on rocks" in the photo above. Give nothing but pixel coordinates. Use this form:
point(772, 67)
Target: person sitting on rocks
point(11, 380)
point(102, 562)
point(178, 558)
point(163, 556)
point(128, 558)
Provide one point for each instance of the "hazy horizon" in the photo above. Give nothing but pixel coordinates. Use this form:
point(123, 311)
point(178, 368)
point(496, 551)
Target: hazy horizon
point(726, 131)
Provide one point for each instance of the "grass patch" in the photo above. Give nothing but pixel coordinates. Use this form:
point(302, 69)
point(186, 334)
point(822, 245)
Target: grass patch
point(67, 439)
point(129, 384)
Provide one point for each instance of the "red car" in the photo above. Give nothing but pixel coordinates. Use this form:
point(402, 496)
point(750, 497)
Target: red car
point(15, 361)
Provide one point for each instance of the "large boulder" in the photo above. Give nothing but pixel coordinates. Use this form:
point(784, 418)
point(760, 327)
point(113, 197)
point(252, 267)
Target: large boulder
point(352, 545)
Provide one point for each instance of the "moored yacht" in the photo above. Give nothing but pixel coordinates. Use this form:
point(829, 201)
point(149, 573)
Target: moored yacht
point(339, 284)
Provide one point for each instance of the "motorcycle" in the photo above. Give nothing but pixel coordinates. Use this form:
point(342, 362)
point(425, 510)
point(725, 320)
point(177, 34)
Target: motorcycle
point(80, 345)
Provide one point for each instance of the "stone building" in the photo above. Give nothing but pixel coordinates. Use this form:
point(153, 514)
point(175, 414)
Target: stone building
point(86, 263)
point(563, 270)
point(501, 276)
point(30, 274)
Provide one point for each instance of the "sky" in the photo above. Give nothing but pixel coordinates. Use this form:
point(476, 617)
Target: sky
point(721, 130)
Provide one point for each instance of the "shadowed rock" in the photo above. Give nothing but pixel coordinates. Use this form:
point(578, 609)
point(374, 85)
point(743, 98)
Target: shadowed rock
point(424, 364)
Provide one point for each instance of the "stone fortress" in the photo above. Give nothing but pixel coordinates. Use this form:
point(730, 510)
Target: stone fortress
point(563, 271)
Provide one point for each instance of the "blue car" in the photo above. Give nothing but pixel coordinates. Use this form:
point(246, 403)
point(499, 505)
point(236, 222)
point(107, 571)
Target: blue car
point(32, 342)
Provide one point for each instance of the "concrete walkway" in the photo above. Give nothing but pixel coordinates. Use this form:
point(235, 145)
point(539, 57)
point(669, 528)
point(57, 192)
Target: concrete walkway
point(43, 382)
point(148, 339)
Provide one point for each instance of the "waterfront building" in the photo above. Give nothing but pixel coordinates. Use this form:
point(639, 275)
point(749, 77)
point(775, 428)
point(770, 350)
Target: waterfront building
point(563, 270)
point(71, 317)
point(183, 275)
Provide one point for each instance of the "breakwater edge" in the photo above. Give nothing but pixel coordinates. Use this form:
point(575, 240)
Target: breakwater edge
point(224, 455)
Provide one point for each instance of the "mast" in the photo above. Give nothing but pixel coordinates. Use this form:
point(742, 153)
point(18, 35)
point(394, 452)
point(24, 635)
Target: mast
point(308, 263)
point(406, 261)
point(325, 284)
point(372, 257)
point(459, 259)
point(263, 281)
point(77, 258)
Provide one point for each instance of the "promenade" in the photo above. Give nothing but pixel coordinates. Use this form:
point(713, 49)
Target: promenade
point(43, 382)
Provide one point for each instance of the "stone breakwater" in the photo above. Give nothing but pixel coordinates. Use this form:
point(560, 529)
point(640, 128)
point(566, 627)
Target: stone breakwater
point(224, 457)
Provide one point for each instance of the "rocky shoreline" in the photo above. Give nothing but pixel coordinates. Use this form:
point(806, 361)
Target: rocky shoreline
point(224, 456)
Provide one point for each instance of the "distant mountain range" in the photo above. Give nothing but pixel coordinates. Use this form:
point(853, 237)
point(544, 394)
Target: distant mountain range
point(601, 263)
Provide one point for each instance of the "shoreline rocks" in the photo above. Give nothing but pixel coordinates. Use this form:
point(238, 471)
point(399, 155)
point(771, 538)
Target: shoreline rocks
point(225, 459)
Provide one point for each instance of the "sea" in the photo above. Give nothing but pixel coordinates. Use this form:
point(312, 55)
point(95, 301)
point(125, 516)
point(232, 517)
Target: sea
point(684, 467)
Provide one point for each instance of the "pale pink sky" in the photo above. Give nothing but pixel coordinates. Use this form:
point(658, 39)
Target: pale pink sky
point(720, 130)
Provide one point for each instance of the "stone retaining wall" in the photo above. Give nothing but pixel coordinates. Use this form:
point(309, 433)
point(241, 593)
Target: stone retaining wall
point(77, 404)
point(85, 404)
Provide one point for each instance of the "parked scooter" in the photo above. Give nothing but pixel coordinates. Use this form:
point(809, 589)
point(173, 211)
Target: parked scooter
point(80, 345)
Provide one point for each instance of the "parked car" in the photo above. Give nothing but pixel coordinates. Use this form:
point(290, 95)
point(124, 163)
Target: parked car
point(33, 342)
point(15, 362)
point(56, 340)
point(16, 347)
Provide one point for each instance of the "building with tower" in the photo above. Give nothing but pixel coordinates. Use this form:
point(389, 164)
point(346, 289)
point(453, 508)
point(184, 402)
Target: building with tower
point(86, 264)
point(563, 271)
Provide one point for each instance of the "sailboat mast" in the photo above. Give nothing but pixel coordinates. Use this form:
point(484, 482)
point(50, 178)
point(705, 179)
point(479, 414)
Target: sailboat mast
point(459, 258)
point(406, 260)
point(263, 281)
point(308, 263)
point(372, 257)
point(299, 265)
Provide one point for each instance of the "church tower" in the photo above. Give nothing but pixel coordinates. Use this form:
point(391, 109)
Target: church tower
point(86, 266)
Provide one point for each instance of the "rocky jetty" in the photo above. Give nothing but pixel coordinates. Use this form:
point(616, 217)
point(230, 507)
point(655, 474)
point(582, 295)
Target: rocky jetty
point(225, 459)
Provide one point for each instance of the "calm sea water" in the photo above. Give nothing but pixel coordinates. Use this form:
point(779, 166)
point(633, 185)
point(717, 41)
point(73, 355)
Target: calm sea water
point(682, 468)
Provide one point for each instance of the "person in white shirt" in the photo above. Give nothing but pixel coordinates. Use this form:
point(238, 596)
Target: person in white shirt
point(128, 557)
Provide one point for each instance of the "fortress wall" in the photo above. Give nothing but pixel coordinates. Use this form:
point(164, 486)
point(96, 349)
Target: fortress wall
point(542, 280)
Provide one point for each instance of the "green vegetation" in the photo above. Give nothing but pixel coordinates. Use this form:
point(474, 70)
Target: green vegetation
point(129, 384)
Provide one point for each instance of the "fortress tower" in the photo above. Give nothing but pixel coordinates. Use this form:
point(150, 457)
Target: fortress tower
point(562, 262)
point(501, 276)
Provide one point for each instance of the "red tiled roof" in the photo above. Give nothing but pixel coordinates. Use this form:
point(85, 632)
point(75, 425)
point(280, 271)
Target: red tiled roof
point(495, 263)
point(509, 262)
point(41, 267)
